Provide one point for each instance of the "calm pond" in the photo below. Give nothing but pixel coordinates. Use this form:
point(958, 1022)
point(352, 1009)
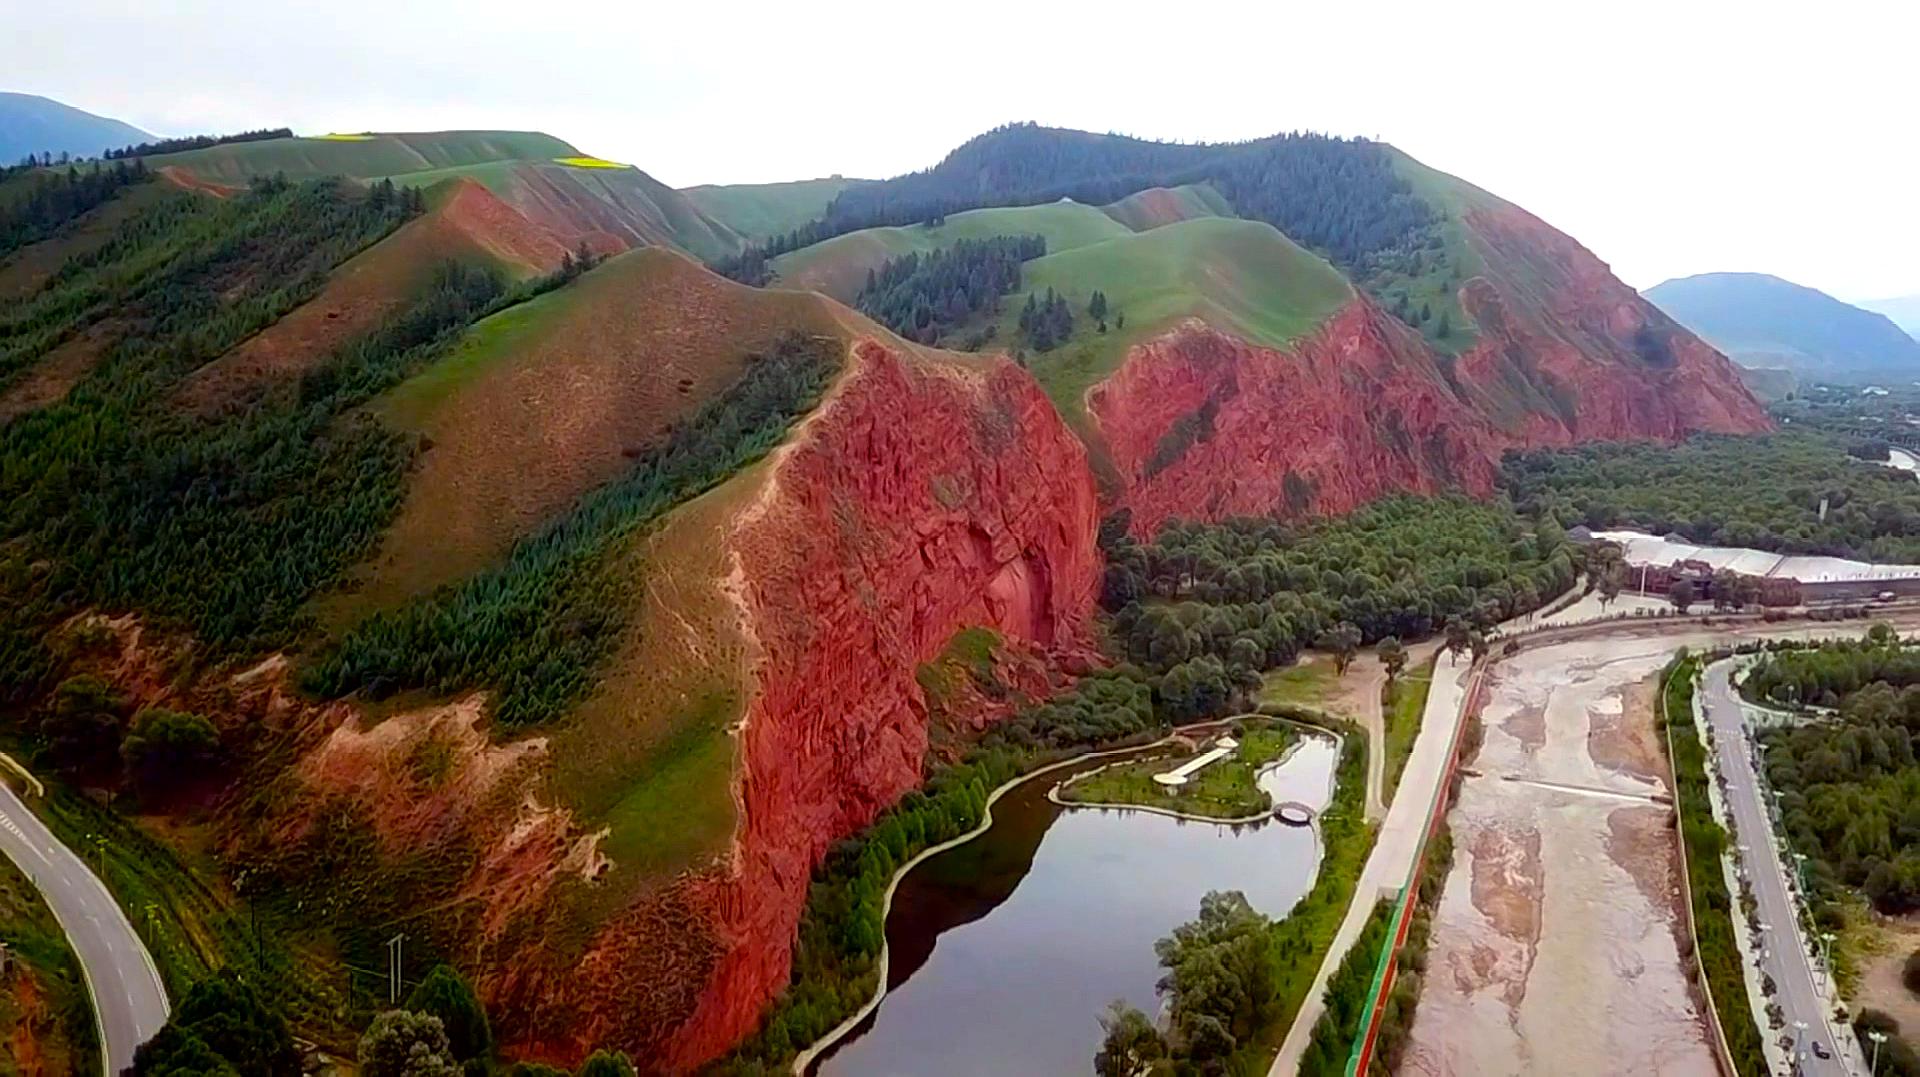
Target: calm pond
point(1004, 952)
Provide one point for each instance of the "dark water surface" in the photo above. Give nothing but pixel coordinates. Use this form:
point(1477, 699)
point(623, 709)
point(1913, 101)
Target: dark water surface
point(1004, 952)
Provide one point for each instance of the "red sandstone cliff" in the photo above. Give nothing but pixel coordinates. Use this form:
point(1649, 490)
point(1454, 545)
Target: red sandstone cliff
point(1355, 410)
point(1201, 425)
point(1601, 362)
point(923, 497)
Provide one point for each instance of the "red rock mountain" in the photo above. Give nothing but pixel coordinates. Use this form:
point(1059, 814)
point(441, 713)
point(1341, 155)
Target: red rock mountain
point(1362, 406)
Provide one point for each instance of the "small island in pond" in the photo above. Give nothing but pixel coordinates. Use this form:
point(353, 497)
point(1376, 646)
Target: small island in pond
point(1216, 777)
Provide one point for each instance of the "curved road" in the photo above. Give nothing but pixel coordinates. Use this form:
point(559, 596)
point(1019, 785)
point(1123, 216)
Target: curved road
point(1786, 957)
point(129, 1001)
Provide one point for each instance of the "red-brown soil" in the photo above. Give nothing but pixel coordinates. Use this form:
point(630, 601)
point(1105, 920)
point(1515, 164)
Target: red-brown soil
point(1363, 407)
point(1355, 410)
point(57, 372)
point(850, 570)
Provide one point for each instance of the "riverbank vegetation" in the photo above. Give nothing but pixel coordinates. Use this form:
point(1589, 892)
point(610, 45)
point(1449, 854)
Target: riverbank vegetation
point(46, 1021)
point(1225, 789)
point(1299, 942)
point(1701, 488)
point(1704, 843)
point(1347, 995)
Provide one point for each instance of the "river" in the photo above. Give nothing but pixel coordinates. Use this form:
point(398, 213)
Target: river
point(1554, 947)
point(1004, 952)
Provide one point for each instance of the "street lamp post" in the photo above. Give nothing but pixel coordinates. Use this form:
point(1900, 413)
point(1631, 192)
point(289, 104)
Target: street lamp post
point(1878, 1038)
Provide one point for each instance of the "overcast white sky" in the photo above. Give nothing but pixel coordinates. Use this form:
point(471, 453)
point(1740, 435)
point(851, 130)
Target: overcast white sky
point(1671, 138)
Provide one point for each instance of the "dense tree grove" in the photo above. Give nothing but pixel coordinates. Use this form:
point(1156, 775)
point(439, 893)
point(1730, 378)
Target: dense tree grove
point(1252, 593)
point(222, 1027)
point(1046, 322)
point(1704, 489)
point(533, 627)
point(922, 297)
point(196, 142)
point(1341, 197)
point(1851, 785)
point(54, 198)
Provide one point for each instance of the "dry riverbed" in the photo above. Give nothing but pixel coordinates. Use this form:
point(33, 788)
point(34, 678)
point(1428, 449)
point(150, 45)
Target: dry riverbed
point(1554, 948)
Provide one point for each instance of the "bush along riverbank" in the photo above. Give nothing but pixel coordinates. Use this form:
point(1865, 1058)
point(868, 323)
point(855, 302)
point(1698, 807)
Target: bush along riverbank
point(1704, 842)
point(1352, 988)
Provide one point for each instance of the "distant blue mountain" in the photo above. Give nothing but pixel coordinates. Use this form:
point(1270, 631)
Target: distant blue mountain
point(31, 124)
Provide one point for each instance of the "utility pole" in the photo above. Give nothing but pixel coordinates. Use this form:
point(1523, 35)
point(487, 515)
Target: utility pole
point(393, 968)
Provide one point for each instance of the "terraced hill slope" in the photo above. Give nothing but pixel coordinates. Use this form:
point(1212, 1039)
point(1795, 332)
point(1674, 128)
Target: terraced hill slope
point(576, 198)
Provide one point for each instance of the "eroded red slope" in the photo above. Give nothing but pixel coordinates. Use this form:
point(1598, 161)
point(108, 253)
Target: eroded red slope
point(1204, 426)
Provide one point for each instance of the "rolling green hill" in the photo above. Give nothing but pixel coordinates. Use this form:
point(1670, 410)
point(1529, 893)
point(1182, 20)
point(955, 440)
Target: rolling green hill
point(34, 124)
point(1156, 206)
point(839, 266)
point(1241, 277)
point(759, 210)
point(361, 156)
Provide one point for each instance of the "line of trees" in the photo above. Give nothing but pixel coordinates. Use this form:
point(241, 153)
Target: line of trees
point(923, 297)
point(195, 142)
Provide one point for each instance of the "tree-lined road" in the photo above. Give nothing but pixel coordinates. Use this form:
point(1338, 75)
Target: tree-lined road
point(1786, 958)
point(129, 1001)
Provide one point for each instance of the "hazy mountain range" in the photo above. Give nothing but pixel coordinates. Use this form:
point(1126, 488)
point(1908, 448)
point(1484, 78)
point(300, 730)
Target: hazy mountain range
point(1765, 322)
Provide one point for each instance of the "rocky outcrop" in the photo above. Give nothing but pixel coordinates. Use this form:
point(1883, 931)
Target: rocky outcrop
point(925, 496)
point(1202, 425)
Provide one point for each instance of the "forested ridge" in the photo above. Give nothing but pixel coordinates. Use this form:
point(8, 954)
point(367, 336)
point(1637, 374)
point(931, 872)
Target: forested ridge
point(1340, 197)
point(923, 297)
point(45, 201)
point(1709, 489)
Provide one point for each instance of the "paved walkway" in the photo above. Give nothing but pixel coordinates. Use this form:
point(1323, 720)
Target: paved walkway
point(1393, 851)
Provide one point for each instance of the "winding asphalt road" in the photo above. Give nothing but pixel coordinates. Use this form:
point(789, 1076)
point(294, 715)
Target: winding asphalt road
point(1787, 959)
point(129, 1001)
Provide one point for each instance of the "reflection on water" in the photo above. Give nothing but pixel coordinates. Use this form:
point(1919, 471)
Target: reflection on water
point(1004, 951)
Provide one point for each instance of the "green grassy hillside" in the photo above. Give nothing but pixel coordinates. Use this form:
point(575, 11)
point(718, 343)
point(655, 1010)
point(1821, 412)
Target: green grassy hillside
point(362, 156)
point(1241, 277)
point(1434, 284)
point(622, 201)
point(759, 210)
point(839, 266)
point(1156, 206)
